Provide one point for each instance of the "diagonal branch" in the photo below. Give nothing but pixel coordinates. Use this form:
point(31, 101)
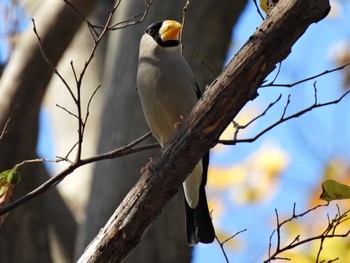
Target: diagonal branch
point(236, 85)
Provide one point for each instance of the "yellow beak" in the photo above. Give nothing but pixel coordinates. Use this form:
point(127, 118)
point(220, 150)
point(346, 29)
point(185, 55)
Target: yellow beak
point(170, 30)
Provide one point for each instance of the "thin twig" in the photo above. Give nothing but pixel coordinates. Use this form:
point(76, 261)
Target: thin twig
point(88, 107)
point(221, 244)
point(285, 107)
point(122, 151)
point(184, 11)
point(271, 84)
point(48, 61)
point(278, 231)
point(71, 149)
point(38, 160)
point(4, 130)
point(91, 28)
point(131, 21)
point(73, 70)
point(205, 65)
point(329, 232)
point(66, 110)
point(277, 73)
point(239, 127)
point(263, 113)
point(284, 119)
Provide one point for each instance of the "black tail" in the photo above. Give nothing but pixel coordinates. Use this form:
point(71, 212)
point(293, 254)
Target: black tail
point(199, 227)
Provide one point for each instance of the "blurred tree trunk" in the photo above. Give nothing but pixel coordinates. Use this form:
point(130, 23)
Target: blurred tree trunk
point(123, 120)
point(24, 237)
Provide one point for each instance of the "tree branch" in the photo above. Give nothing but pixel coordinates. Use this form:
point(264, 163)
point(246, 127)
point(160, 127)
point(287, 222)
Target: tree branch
point(236, 85)
point(221, 244)
point(53, 181)
point(289, 85)
point(329, 232)
point(282, 119)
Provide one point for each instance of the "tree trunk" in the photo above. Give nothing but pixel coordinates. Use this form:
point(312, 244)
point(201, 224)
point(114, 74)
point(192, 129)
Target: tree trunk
point(123, 119)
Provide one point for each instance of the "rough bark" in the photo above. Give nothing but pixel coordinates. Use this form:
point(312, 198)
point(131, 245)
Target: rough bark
point(234, 87)
point(25, 234)
point(123, 120)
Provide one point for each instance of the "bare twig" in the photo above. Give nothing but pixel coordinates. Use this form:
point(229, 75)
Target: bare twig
point(76, 10)
point(278, 72)
point(329, 232)
point(122, 151)
point(221, 244)
point(278, 231)
point(205, 65)
point(73, 70)
point(88, 106)
point(134, 19)
point(48, 61)
point(285, 108)
point(4, 130)
point(90, 26)
point(184, 11)
point(239, 127)
point(289, 85)
point(39, 160)
point(66, 110)
point(283, 119)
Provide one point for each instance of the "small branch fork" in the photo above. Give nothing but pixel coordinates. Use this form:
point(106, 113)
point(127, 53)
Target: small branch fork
point(329, 232)
point(222, 243)
point(119, 25)
point(283, 117)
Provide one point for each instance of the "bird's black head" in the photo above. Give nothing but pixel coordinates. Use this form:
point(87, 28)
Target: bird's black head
point(165, 33)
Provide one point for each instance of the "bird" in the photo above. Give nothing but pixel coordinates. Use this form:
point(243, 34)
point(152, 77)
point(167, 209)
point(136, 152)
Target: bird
point(168, 92)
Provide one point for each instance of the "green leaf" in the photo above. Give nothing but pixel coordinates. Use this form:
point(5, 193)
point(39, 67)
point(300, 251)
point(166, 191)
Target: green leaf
point(10, 177)
point(332, 190)
point(13, 177)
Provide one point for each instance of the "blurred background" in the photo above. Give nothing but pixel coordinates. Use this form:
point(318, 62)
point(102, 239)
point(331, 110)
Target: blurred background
point(247, 181)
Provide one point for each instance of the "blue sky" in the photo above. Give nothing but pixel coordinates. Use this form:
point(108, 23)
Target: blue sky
point(310, 140)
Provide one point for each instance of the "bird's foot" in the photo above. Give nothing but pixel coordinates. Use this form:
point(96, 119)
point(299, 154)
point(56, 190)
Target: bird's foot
point(147, 166)
point(178, 124)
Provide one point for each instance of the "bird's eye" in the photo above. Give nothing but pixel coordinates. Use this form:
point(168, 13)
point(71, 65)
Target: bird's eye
point(151, 31)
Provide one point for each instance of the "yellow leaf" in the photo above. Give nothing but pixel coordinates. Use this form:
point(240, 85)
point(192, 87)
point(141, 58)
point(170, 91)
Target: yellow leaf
point(264, 4)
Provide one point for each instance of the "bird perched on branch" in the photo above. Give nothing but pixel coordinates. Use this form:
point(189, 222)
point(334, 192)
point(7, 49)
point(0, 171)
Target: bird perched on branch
point(168, 92)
